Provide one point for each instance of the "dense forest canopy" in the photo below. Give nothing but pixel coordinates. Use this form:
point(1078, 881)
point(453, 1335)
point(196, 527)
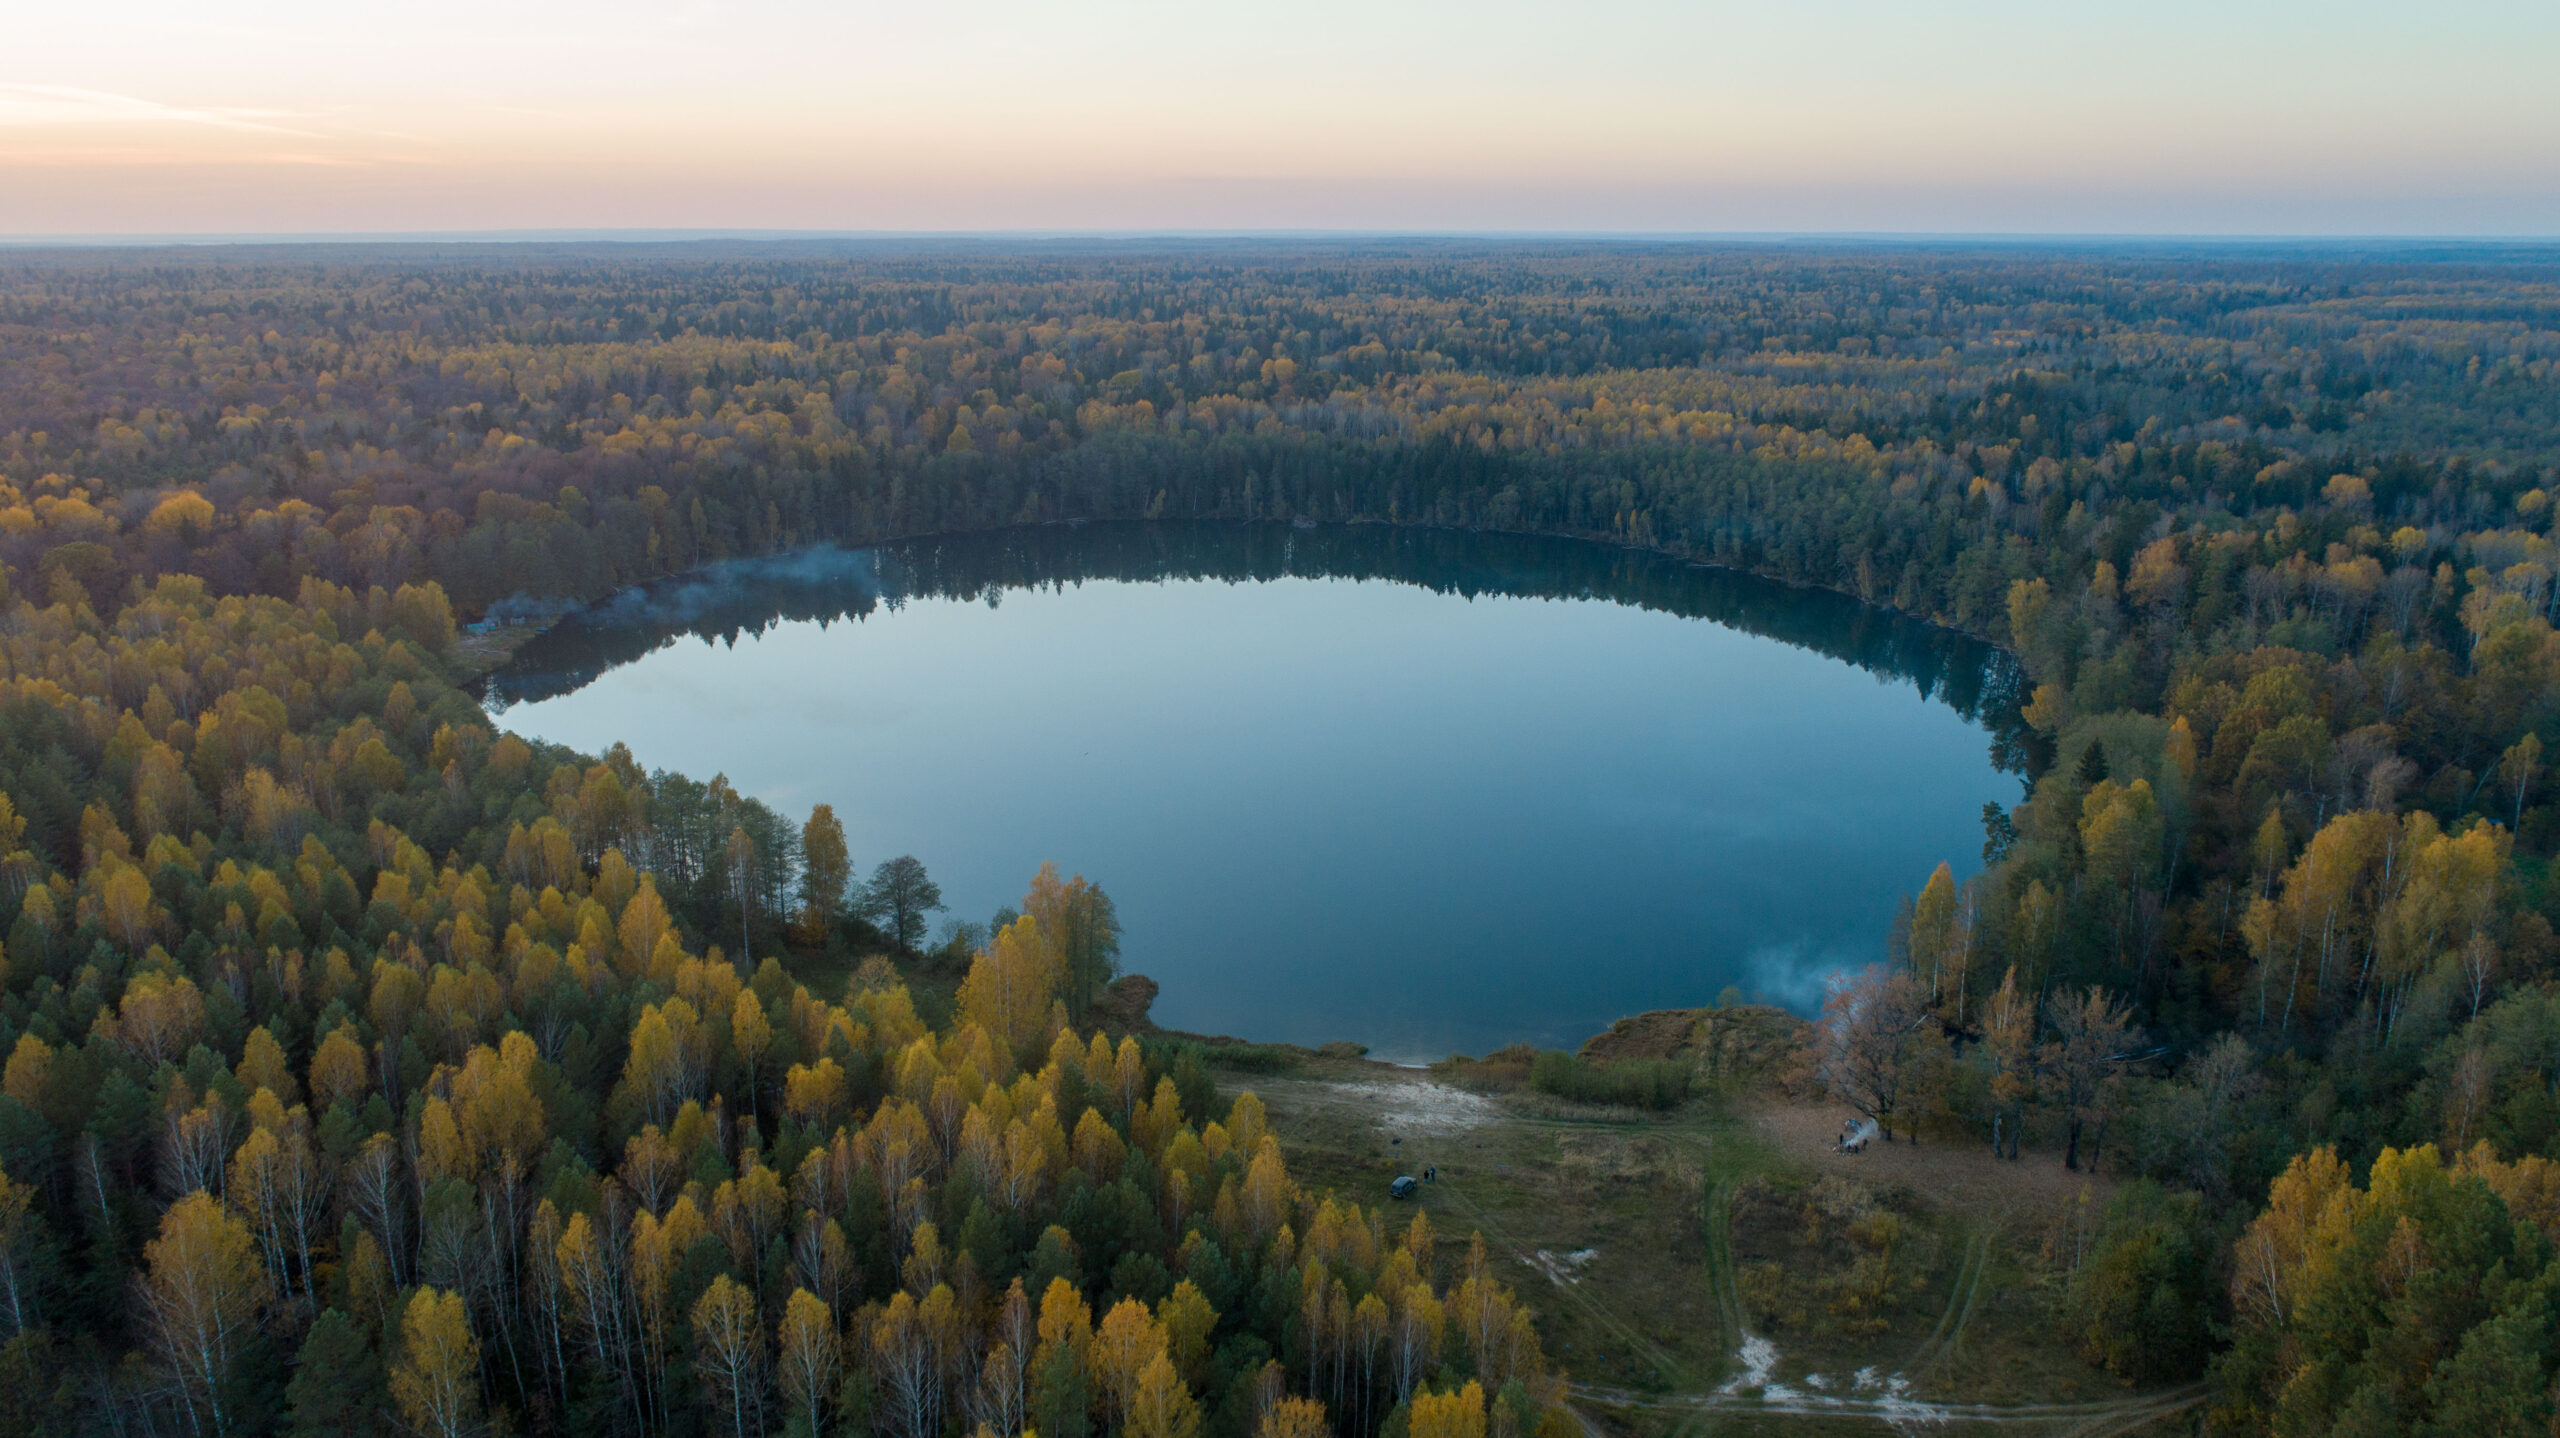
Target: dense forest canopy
point(366, 1061)
point(573, 422)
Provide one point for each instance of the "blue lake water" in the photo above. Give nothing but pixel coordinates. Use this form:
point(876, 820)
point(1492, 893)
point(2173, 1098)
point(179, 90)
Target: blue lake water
point(1428, 791)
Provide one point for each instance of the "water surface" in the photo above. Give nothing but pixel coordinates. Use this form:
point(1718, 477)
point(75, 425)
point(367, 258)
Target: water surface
point(1426, 790)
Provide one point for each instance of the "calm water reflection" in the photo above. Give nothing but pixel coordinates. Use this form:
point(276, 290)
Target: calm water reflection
point(1427, 790)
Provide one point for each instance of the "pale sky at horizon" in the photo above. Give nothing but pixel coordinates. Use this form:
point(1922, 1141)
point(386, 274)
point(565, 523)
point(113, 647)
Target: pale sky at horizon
point(1972, 116)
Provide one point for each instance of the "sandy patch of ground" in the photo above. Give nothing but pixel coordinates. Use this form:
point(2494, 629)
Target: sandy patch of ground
point(1562, 1268)
point(1426, 1108)
point(1400, 1108)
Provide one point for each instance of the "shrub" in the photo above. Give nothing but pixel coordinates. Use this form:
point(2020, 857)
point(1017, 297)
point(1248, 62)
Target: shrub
point(1631, 1083)
point(1253, 1058)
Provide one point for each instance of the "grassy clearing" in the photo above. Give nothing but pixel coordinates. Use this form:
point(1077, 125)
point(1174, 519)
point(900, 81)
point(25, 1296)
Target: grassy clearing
point(1650, 1243)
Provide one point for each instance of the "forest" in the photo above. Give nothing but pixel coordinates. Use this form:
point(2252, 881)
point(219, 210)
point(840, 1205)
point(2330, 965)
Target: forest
point(368, 1065)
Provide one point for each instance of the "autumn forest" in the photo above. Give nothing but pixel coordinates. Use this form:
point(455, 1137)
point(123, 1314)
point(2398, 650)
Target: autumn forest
point(369, 1068)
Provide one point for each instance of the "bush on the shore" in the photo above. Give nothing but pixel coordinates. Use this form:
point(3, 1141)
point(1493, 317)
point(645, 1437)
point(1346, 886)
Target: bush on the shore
point(1252, 1058)
point(1635, 1083)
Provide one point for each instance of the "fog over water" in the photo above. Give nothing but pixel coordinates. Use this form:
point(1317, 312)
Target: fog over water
point(1425, 790)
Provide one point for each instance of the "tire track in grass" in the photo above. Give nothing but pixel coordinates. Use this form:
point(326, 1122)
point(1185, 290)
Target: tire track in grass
point(1961, 1298)
point(1725, 1157)
point(2102, 1418)
point(2142, 1412)
point(1715, 1220)
point(1711, 1134)
point(1671, 1369)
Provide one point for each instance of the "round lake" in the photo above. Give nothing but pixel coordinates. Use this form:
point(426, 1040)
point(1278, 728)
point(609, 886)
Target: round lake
point(1425, 790)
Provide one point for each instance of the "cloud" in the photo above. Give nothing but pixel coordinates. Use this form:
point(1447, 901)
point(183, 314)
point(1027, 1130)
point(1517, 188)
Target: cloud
point(70, 106)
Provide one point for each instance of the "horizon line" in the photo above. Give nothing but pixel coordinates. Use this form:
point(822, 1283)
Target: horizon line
point(675, 235)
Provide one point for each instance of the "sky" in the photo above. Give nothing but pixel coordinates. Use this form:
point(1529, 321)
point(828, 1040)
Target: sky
point(2262, 117)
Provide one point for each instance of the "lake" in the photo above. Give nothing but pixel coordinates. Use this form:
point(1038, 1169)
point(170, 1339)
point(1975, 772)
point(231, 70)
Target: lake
point(1426, 790)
